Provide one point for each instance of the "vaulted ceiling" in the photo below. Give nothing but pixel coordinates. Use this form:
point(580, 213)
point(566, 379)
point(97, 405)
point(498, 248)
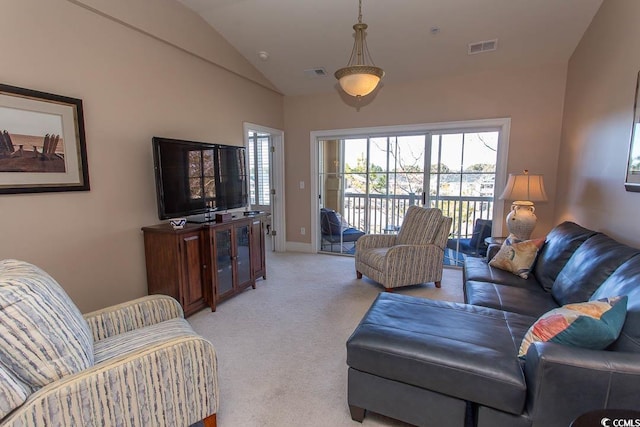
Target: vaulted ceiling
point(409, 39)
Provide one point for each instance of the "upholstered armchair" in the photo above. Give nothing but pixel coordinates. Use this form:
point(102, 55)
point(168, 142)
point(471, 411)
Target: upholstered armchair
point(134, 364)
point(415, 255)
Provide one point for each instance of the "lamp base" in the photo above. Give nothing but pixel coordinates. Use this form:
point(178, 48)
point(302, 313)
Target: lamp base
point(521, 220)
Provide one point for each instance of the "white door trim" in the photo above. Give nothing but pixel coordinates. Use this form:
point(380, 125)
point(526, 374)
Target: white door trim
point(277, 171)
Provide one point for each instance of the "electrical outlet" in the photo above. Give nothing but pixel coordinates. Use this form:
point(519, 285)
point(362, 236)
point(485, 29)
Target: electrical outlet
point(303, 231)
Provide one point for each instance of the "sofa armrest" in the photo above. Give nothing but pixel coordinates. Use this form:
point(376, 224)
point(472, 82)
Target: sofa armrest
point(173, 383)
point(131, 315)
point(565, 381)
point(492, 250)
point(369, 241)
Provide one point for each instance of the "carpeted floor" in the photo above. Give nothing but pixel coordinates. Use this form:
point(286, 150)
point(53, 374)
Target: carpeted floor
point(281, 347)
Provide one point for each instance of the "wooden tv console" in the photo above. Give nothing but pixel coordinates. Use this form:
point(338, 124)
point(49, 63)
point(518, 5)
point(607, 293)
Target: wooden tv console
point(203, 264)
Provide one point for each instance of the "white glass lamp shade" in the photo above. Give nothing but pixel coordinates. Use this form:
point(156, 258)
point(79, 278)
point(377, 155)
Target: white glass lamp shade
point(359, 80)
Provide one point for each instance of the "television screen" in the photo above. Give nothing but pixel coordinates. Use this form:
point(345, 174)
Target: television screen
point(194, 178)
point(232, 186)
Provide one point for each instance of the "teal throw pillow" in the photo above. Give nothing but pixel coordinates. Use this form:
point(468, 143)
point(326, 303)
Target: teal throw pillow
point(592, 324)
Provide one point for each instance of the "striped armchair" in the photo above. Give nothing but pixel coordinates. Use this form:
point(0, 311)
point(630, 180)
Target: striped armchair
point(134, 364)
point(415, 255)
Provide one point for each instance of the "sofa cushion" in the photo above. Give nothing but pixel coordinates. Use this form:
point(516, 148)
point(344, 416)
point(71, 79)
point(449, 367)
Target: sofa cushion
point(374, 257)
point(560, 244)
point(516, 256)
point(43, 336)
point(589, 266)
point(478, 269)
point(625, 281)
point(13, 392)
point(593, 325)
point(529, 300)
point(459, 350)
point(142, 338)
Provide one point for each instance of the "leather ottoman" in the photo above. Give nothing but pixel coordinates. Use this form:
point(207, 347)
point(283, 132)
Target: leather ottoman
point(420, 360)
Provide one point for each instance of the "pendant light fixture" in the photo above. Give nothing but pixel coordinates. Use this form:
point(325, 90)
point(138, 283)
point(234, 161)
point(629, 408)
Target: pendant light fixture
point(360, 77)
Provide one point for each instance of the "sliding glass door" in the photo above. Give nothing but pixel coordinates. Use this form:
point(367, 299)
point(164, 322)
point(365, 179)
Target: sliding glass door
point(383, 176)
point(370, 182)
point(462, 183)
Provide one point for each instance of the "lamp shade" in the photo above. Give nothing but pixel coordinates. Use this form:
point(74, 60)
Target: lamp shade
point(359, 80)
point(524, 187)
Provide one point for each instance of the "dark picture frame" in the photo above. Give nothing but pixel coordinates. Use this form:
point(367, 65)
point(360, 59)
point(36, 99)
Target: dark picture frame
point(42, 142)
point(632, 179)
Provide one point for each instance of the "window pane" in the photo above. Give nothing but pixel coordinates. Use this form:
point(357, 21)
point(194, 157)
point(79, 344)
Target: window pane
point(408, 156)
point(378, 159)
point(355, 155)
point(480, 151)
point(259, 183)
point(452, 152)
point(449, 184)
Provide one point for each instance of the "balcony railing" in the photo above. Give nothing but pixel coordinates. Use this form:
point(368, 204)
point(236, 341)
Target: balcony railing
point(384, 214)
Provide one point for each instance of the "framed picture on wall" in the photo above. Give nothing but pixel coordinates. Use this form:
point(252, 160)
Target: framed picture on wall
point(632, 181)
point(42, 142)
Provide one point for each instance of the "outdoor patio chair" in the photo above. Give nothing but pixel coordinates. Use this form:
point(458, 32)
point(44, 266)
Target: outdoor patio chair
point(475, 245)
point(336, 232)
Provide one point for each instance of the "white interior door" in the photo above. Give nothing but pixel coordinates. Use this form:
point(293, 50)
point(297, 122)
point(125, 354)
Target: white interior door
point(265, 156)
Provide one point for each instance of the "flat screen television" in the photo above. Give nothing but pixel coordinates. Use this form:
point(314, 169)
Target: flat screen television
point(195, 179)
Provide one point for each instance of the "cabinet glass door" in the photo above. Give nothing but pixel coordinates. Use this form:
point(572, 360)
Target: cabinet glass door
point(243, 256)
point(224, 262)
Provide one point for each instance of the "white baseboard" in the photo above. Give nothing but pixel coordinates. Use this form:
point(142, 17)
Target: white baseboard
point(300, 247)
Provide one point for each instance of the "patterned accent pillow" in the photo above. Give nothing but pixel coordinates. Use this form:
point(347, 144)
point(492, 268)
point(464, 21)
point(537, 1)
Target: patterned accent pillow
point(43, 336)
point(12, 393)
point(517, 256)
point(592, 324)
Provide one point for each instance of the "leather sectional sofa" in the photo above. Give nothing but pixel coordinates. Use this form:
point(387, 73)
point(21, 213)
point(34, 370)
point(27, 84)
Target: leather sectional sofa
point(431, 362)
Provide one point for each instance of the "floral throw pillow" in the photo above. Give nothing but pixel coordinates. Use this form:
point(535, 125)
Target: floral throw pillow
point(517, 256)
point(592, 324)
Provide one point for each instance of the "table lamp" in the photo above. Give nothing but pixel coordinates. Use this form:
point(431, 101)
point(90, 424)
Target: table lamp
point(523, 189)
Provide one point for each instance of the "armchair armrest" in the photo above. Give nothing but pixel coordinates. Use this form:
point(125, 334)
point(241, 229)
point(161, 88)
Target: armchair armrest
point(571, 381)
point(132, 315)
point(169, 384)
point(369, 241)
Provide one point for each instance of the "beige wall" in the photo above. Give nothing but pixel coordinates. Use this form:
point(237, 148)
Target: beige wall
point(532, 97)
point(597, 125)
point(133, 87)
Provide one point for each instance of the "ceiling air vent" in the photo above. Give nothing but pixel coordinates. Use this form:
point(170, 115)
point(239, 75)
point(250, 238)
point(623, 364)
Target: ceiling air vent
point(485, 46)
point(316, 72)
